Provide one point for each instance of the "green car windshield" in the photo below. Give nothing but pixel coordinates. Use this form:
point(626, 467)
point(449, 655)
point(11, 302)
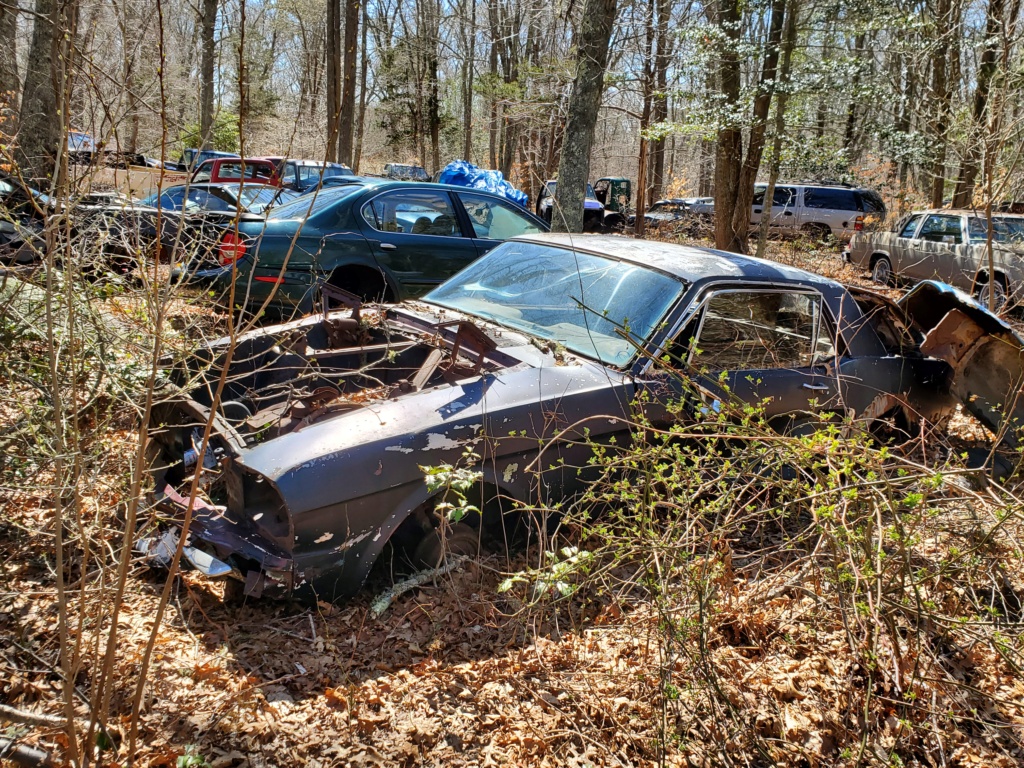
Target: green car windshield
point(595, 306)
point(304, 206)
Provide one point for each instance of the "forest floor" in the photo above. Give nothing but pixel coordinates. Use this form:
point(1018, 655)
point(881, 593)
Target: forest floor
point(455, 673)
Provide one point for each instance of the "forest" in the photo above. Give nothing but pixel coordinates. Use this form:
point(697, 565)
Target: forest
point(811, 558)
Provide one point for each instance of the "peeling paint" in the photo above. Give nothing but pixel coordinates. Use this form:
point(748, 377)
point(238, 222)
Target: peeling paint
point(257, 517)
point(510, 472)
point(438, 442)
point(326, 537)
point(353, 541)
point(398, 448)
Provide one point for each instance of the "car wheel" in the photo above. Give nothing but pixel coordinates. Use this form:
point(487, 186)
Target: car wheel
point(881, 271)
point(437, 544)
point(996, 287)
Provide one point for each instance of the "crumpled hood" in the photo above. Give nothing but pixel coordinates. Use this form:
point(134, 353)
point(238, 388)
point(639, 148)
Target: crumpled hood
point(986, 354)
point(387, 442)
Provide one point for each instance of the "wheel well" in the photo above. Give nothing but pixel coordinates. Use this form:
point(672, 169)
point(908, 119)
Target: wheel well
point(503, 528)
point(876, 256)
point(370, 284)
point(983, 278)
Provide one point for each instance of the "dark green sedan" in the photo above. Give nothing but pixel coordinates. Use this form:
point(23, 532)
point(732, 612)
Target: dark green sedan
point(379, 239)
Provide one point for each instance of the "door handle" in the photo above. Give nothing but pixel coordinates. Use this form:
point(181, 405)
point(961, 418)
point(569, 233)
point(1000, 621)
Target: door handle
point(388, 247)
point(816, 387)
point(757, 210)
point(788, 213)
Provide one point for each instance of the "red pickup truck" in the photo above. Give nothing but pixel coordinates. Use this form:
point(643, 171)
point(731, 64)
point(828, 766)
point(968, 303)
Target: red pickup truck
point(228, 169)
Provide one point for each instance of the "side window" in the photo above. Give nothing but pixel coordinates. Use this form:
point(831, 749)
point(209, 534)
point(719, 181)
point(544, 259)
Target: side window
point(412, 212)
point(910, 227)
point(872, 201)
point(834, 199)
point(937, 228)
point(288, 174)
point(781, 198)
point(744, 330)
point(495, 220)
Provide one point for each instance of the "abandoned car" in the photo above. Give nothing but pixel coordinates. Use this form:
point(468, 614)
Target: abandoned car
point(324, 424)
point(948, 245)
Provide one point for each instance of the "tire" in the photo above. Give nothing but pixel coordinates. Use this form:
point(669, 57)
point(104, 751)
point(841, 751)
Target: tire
point(436, 545)
point(998, 287)
point(881, 271)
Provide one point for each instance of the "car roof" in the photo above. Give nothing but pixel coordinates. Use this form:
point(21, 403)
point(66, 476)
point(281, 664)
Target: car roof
point(687, 262)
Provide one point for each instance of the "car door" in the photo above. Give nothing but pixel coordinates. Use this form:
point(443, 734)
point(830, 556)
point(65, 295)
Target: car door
point(416, 234)
point(769, 346)
point(902, 250)
point(832, 207)
point(933, 252)
point(494, 221)
point(783, 209)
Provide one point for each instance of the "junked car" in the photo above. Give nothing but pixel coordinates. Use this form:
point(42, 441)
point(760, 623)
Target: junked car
point(820, 211)
point(324, 423)
point(951, 246)
point(370, 237)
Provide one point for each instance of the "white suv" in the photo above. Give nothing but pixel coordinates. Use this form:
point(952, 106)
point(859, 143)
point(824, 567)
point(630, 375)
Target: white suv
point(817, 210)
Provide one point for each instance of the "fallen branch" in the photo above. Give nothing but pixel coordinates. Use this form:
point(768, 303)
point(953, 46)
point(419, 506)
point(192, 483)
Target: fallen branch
point(381, 603)
point(22, 755)
point(30, 718)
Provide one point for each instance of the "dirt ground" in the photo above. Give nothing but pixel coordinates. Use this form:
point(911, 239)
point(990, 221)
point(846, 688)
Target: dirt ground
point(456, 674)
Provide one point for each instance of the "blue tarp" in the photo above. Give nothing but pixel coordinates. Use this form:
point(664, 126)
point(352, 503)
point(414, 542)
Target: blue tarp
point(464, 174)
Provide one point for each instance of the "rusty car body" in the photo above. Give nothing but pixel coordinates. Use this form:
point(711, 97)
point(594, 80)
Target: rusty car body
point(325, 423)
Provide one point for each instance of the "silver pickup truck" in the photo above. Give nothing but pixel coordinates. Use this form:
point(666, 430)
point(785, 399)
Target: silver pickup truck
point(947, 245)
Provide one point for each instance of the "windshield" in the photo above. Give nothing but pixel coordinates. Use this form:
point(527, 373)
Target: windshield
point(586, 303)
point(304, 206)
point(1005, 229)
point(553, 185)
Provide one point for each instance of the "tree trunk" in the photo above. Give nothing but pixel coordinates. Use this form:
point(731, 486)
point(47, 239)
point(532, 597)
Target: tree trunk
point(781, 97)
point(660, 114)
point(467, 87)
point(755, 143)
point(968, 175)
point(361, 121)
point(9, 80)
point(333, 77)
point(207, 56)
point(941, 94)
point(584, 103)
point(346, 121)
point(729, 150)
point(39, 131)
point(734, 173)
point(850, 136)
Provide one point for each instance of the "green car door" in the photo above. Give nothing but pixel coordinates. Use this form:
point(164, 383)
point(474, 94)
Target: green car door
point(417, 236)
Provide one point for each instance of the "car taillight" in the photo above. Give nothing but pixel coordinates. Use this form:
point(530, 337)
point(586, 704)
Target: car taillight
point(858, 224)
point(231, 248)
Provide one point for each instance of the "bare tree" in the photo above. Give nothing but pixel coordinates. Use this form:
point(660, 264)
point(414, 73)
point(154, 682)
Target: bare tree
point(584, 103)
point(208, 55)
point(347, 114)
